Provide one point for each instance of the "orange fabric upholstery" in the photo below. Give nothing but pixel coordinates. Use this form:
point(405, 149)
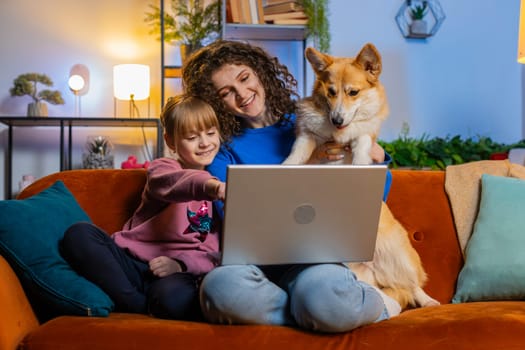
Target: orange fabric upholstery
point(417, 199)
point(108, 196)
point(17, 317)
point(480, 326)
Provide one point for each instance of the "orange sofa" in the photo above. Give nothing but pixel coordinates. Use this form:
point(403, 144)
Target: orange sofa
point(417, 199)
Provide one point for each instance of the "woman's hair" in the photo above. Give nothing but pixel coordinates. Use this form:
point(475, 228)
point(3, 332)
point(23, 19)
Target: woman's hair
point(278, 83)
point(183, 114)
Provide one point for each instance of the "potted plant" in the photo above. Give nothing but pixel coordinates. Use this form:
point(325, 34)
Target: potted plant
point(417, 13)
point(317, 26)
point(26, 84)
point(98, 153)
point(190, 24)
point(439, 152)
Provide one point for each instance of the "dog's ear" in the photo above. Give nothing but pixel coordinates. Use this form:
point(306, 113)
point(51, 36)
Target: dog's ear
point(369, 59)
point(318, 60)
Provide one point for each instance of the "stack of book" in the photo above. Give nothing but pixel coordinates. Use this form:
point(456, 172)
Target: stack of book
point(284, 12)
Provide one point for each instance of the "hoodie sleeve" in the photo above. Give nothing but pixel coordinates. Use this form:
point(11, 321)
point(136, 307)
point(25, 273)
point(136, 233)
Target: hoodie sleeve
point(168, 181)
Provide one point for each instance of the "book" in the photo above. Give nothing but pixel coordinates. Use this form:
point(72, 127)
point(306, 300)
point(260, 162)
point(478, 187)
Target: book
point(273, 2)
point(246, 16)
point(291, 21)
point(256, 12)
point(288, 6)
point(260, 12)
point(285, 15)
point(235, 9)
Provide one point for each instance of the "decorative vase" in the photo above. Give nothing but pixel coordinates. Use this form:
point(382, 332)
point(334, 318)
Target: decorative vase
point(98, 153)
point(418, 27)
point(186, 51)
point(37, 109)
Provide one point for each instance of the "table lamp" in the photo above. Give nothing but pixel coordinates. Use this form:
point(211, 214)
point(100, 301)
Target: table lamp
point(79, 84)
point(131, 82)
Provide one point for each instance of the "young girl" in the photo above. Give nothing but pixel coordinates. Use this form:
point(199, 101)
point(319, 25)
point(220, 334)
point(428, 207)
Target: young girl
point(155, 264)
point(252, 94)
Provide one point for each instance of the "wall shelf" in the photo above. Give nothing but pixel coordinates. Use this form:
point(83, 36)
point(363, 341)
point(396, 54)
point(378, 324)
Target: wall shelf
point(434, 18)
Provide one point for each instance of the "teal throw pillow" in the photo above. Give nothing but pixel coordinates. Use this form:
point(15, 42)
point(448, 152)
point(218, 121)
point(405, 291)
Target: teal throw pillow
point(30, 231)
point(494, 260)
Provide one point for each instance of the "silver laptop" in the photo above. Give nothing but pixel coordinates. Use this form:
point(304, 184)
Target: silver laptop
point(293, 214)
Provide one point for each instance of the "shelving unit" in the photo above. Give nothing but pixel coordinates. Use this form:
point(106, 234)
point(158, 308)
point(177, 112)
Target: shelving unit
point(67, 124)
point(246, 32)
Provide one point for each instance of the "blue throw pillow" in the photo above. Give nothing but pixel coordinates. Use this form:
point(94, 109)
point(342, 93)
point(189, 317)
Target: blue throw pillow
point(494, 261)
point(30, 231)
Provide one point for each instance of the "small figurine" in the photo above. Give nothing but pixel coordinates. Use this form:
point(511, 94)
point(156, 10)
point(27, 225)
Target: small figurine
point(131, 163)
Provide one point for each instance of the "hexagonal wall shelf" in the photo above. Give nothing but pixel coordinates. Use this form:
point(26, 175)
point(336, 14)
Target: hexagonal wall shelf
point(419, 19)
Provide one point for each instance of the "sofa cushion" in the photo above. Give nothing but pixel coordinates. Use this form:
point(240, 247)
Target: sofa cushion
point(494, 263)
point(30, 230)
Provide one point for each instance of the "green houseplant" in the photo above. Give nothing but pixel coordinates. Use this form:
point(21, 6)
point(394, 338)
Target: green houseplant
point(190, 23)
point(26, 84)
point(418, 13)
point(440, 152)
point(317, 26)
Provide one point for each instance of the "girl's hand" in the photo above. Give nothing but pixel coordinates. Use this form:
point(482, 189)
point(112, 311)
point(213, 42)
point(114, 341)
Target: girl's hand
point(215, 189)
point(332, 151)
point(163, 266)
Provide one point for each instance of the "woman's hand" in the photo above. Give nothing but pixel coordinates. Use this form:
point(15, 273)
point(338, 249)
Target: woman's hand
point(331, 151)
point(377, 153)
point(163, 266)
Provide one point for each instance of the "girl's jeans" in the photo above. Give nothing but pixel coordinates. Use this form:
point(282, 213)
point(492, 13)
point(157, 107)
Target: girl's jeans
point(323, 297)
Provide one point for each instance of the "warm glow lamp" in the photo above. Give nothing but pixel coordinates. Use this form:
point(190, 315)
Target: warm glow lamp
point(76, 83)
point(131, 82)
point(79, 84)
point(521, 39)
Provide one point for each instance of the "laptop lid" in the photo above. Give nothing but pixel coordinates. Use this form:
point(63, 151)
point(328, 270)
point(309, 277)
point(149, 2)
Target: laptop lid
point(291, 214)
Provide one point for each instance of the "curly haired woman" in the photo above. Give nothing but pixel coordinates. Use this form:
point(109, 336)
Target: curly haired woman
point(253, 95)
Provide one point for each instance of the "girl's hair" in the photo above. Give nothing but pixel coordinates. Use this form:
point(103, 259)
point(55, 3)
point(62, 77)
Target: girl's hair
point(278, 83)
point(183, 114)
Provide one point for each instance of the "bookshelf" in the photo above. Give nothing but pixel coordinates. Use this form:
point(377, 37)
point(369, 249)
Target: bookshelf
point(243, 32)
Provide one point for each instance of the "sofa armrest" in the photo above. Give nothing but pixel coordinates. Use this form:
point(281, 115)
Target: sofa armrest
point(17, 318)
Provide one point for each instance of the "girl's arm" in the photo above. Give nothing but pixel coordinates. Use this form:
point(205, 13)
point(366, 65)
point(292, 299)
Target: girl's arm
point(169, 182)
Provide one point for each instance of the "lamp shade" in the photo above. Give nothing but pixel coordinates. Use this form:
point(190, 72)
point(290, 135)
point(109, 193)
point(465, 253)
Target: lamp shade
point(131, 81)
point(521, 39)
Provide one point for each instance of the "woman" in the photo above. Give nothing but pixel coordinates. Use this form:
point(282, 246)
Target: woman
point(252, 94)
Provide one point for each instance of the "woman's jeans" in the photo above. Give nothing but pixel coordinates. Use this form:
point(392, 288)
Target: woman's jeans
point(323, 297)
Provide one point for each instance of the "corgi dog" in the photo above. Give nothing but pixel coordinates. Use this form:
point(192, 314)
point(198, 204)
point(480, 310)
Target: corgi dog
point(348, 105)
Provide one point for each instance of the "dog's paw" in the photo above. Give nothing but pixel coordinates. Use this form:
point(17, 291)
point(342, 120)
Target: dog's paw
point(430, 302)
point(425, 300)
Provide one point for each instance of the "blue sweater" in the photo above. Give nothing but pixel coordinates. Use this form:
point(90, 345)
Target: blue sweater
point(268, 145)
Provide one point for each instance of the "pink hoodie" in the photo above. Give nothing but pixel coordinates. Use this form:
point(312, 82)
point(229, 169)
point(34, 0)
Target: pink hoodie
point(160, 225)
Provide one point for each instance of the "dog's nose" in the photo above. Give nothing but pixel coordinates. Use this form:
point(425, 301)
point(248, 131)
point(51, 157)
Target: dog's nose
point(337, 121)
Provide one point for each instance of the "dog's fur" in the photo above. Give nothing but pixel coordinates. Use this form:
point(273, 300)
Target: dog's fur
point(348, 105)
